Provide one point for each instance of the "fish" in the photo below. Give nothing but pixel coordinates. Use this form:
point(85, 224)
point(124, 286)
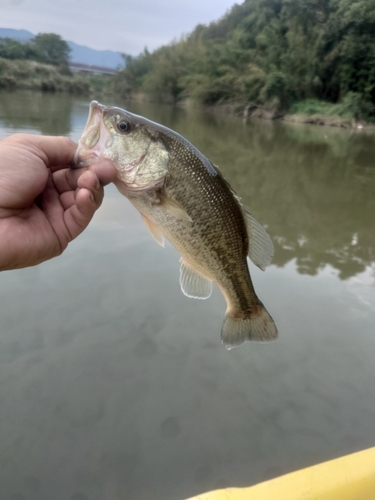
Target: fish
point(182, 197)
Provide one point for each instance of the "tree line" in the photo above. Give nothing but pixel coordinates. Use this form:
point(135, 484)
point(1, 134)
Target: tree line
point(42, 64)
point(47, 48)
point(270, 54)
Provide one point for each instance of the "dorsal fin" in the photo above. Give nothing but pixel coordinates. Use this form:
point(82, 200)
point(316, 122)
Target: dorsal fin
point(260, 243)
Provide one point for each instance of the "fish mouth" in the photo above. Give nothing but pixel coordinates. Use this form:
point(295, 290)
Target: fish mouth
point(94, 140)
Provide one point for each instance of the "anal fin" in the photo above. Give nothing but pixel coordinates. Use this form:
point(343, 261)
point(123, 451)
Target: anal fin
point(154, 230)
point(193, 284)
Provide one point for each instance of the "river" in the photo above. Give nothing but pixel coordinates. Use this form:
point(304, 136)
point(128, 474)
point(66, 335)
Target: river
point(114, 385)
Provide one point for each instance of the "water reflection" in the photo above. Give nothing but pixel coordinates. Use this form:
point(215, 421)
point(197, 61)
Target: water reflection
point(114, 385)
point(43, 112)
point(313, 187)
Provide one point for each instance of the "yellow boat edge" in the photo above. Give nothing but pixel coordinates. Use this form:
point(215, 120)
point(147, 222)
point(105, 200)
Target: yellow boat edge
point(351, 477)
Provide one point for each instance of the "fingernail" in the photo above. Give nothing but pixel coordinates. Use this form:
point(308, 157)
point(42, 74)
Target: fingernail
point(92, 197)
point(97, 183)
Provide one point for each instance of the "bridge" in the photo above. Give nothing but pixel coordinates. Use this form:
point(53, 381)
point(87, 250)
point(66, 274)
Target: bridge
point(93, 70)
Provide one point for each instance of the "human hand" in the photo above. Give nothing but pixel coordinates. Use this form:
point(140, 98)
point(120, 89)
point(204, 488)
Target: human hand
point(44, 204)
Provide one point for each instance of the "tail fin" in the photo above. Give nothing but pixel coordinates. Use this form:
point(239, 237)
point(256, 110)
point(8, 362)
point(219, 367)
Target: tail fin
point(259, 326)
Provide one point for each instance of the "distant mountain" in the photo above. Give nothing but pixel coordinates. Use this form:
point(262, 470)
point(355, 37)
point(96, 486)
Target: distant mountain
point(85, 55)
point(79, 53)
point(21, 35)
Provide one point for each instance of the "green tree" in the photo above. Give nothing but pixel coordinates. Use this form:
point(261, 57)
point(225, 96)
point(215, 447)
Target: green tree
point(13, 49)
point(269, 52)
point(52, 48)
point(131, 78)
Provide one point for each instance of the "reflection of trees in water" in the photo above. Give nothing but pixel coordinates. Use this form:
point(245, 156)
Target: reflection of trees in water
point(313, 187)
point(47, 113)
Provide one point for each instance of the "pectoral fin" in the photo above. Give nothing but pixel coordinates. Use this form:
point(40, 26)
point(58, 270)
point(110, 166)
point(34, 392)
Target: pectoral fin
point(154, 230)
point(260, 243)
point(174, 209)
point(194, 284)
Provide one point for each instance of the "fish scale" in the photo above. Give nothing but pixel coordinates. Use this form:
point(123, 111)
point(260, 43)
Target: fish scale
point(218, 227)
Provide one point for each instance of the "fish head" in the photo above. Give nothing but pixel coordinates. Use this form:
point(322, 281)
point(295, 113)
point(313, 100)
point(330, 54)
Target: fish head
point(132, 143)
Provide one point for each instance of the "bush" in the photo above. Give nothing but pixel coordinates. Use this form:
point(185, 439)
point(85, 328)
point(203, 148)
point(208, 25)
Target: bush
point(355, 105)
point(275, 89)
point(44, 77)
point(7, 82)
point(48, 85)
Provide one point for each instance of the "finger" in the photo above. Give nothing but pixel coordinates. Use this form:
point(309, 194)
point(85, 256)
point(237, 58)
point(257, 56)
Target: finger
point(67, 179)
point(90, 181)
point(56, 151)
point(68, 199)
point(50, 204)
point(63, 181)
point(103, 169)
point(57, 168)
point(53, 151)
point(65, 186)
point(68, 223)
point(78, 216)
point(87, 181)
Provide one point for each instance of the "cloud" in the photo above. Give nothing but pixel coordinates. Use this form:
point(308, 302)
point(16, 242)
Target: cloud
point(122, 25)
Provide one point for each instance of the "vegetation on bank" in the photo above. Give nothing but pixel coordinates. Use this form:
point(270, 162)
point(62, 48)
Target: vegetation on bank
point(43, 64)
point(19, 74)
point(272, 56)
point(47, 48)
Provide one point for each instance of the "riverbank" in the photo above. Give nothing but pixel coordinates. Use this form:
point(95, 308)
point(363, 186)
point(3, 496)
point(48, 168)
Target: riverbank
point(331, 121)
point(350, 113)
point(309, 112)
point(32, 75)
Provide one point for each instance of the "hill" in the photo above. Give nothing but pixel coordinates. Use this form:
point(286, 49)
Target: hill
point(80, 53)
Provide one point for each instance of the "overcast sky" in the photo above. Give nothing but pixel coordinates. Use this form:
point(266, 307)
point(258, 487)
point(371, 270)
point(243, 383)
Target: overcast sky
point(122, 25)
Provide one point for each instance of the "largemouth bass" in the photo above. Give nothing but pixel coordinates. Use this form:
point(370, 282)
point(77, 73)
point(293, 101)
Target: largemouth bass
point(183, 197)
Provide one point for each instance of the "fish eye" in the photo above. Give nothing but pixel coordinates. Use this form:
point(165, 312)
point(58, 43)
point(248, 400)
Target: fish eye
point(123, 126)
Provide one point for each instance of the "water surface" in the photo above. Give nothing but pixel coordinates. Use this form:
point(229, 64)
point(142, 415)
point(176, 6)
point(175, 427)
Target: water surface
point(114, 385)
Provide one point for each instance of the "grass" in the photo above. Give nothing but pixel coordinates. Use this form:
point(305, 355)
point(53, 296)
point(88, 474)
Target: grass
point(20, 74)
point(316, 107)
point(352, 107)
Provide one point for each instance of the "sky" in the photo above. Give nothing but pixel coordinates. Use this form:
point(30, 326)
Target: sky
point(126, 26)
